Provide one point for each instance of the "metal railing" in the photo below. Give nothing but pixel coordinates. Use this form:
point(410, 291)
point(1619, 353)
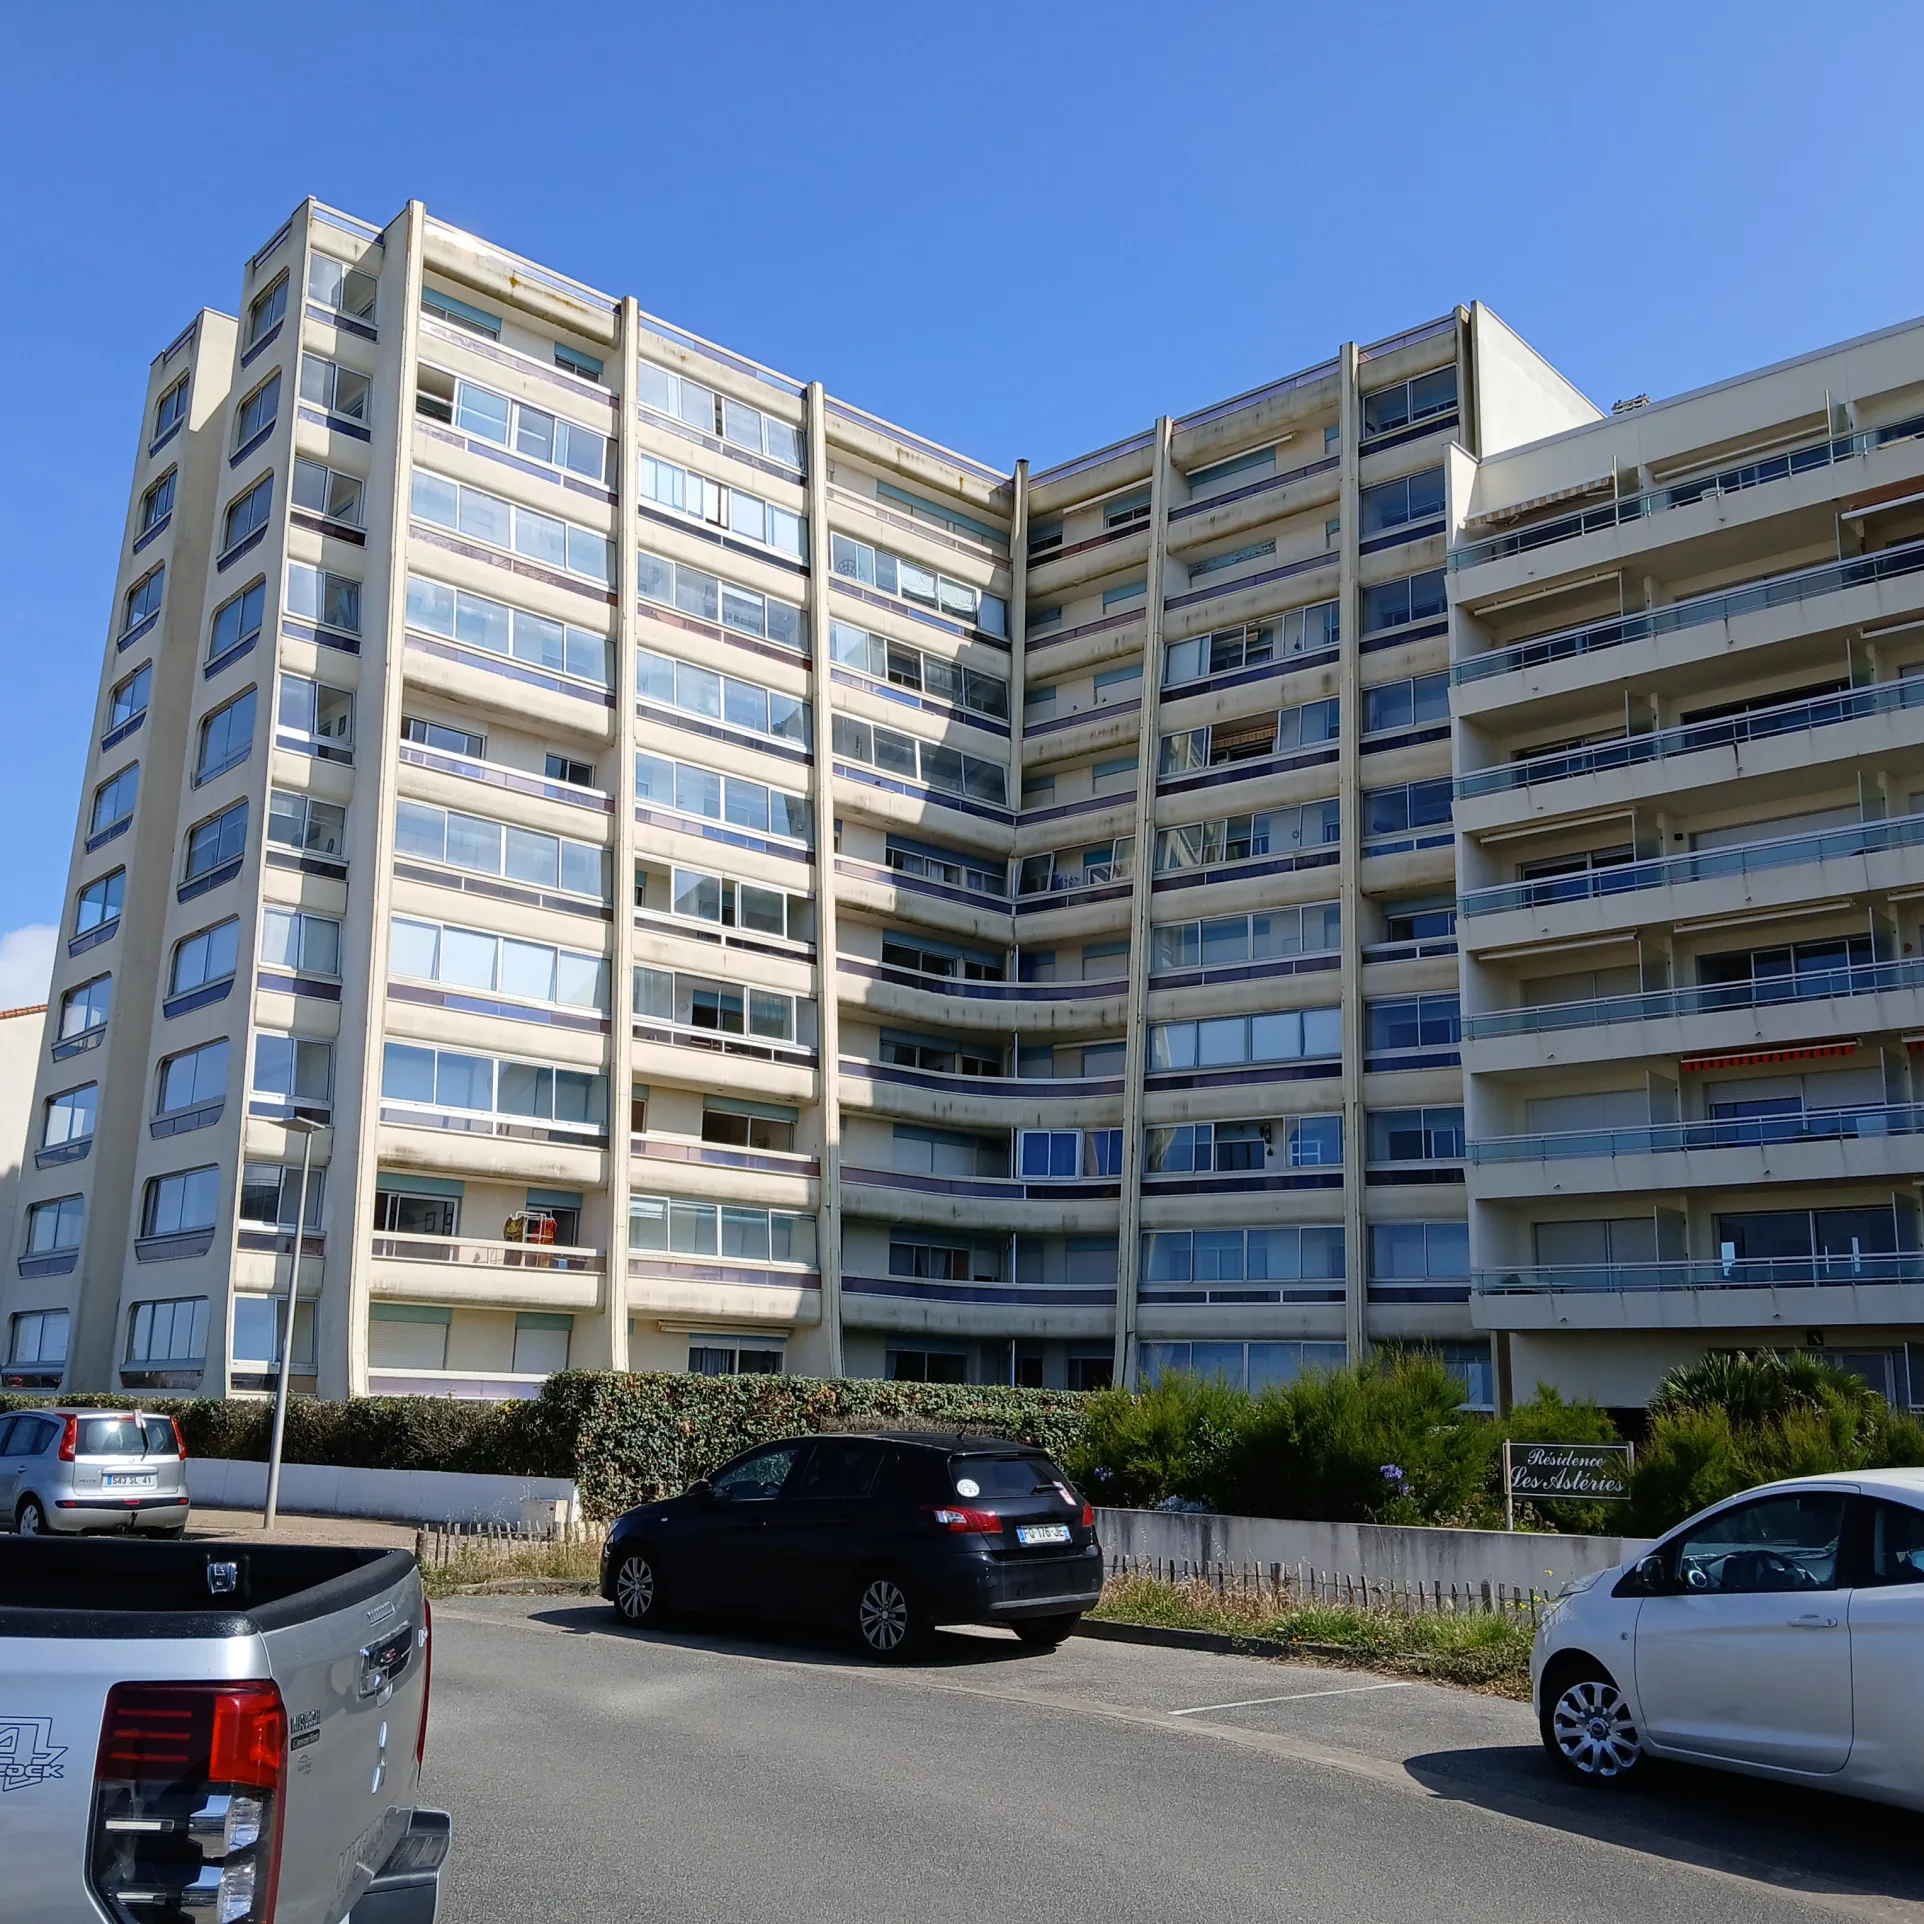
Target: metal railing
point(1777, 1272)
point(467, 1251)
point(1719, 1132)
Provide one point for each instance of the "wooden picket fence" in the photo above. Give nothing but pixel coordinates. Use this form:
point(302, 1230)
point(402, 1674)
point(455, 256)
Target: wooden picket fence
point(1286, 1586)
point(440, 1544)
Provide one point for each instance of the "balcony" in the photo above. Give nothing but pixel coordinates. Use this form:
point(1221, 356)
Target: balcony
point(1727, 1132)
point(467, 1270)
point(1637, 507)
point(1784, 1272)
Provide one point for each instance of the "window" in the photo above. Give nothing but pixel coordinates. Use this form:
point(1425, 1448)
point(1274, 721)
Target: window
point(169, 1332)
point(576, 774)
point(327, 492)
point(207, 956)
point(129, 698)
point(1411, 815)
point(942, 1055)
point(216, 841)
point(944, 769)
point(98, 903)
point(143, 599)
point(1421, 399)
point(1226, 940)
point(906, 667)
point(448, 1079)
point(338, 389)
point(171, 409)
point(247, 513)
point(39, 1337)
point(226, 738)
point(953, 1257)
point(949, 867)
point(298, 821)
point(712, 697)
point(926, 955)
point(257, 1334)
point(1404, 502)
point(477, 622)
point(266, 312)
point(70, 1116)
point(114, 800)
point(1252, 738)
point(347, 290)
point(927, 1366)
point(156, 504)
point(666, 1225)
point(270, 1193)
point(1056, 1155)
point(1242, 838)
point(898, 575)
point(497, 848)
point(53, 1227)
point(1207, 480)
point(1255, 1366)
point(497, 964)
point(182, 1203)
point(745, 1129)
point(315, 712)
point(1786, 1542)
point(446, 307)
point(401, 1213)
point(576, 362)
point(450, 741)
point(237, 623)
point(745, 905)
point(1230, 558)
point(1391, 604)
point(722, 798)
point(1294, 1142)
point(714, 1359)
point(1283, 1035)
point(747, 515)
point(1430, 921)
point(1129, 591)
point(294, 1071)
point(1126, 511)
point(1897, 1541)
point(675, 585)
point(1284, 1253)
point(1403, 1023)
point(195, 1079)
point(85, 1009)
point(541, 1343)
point(255, 415)
point(916, 1151)
point(310, 944)
point(1229, 650)
point(499, 524)
point(1063, 868)
point(681, 399)
point(1434, 1254)
point(328, 600)
point(1416, 1135)
point(1415, 703)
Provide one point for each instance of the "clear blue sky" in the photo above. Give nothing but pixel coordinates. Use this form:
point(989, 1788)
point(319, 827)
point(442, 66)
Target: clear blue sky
point(1021, 229)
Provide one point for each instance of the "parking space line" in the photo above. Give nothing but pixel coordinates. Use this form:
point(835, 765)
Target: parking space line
point(1300, 1696)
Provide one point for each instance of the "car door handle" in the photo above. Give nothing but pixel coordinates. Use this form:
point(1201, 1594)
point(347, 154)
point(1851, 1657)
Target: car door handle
point(1813, 1622)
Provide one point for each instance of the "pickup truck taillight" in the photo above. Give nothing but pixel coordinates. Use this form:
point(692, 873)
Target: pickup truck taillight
point(187, 1802)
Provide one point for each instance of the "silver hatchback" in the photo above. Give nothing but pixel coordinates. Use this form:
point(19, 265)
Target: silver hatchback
point(74, 1470)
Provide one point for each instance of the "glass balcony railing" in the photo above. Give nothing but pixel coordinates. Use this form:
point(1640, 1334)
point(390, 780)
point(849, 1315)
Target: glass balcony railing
point(1669, 871)
point(1777, 1272)
point(1761, 992)
point(1719, 1132)
point(1760, 724)
point(1778, 591)
point(1636, 507)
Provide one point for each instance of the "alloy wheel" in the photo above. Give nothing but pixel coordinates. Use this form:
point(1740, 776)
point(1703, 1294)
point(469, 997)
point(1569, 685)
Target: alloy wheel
point(884, 1616)
point(635, 1588)
point(1594, 1731)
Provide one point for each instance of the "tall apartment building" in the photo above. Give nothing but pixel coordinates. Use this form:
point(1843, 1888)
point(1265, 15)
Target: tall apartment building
point(1690, 796)
point(713, 880)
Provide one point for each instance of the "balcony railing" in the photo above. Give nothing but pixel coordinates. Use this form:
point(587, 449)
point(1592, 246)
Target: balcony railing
point(1746, 858)
point(1762, 992)
point(1721, 1132)
point(1778, 1272)
point(468, 1252)
point(1778, 591)
point(1636, 507)
point(1793, 718)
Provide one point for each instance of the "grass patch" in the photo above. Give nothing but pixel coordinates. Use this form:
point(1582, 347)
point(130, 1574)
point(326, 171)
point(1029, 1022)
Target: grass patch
point(1489, 1653)
point(578, 1562)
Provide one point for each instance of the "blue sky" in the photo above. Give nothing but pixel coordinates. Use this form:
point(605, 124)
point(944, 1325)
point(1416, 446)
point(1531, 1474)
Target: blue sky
point(1021, 229)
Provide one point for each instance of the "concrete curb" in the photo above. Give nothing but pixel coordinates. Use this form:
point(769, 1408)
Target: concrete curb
point(525, 1587)
point(1219, 1643)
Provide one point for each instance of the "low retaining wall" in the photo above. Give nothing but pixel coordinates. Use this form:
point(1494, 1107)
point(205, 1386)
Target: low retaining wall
point(1384, 1553)
point(407, 1496)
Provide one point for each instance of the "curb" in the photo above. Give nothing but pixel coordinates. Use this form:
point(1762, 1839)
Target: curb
point(1220, 1643)
point(524, 1587)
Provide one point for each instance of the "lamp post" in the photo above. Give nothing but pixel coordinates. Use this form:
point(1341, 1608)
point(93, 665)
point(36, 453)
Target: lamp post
point(308, 1131)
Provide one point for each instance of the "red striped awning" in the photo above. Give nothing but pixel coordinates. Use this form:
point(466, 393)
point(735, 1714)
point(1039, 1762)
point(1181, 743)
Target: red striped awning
point(1695, 1065)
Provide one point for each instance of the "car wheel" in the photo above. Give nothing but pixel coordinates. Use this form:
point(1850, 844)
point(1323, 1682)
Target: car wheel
point(1587, 1727)
point(30, 1519)
point(638, 1588)
point(1046, 1632)
point(886, 1618)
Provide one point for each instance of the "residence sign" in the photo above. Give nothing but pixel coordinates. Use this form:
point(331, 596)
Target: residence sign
point(1585, 1472)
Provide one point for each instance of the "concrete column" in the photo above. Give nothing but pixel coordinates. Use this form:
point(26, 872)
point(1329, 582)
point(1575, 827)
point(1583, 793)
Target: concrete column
point(1129, 1230)
point(1350, 615)
point(828, 1210)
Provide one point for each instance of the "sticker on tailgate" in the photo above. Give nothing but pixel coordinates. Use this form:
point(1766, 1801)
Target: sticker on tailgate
point(28, 1754)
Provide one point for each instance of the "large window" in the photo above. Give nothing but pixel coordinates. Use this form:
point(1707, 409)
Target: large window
point(266, 312)
point(533, 433)
point(299, 821)
point(208, 955)
point(54, 1227)
point(1283, 1253)
point(730, 1233)
point(1392, 604)
point(219, 839)
point(338, 389)
point(171, 409)
point(39, 1339)
point(247, 513)
point(722, 798)
point(294, 1072)
point(709, 696)
point(951, 868)
point(747, 516)
point(1223, 941)
point(255, 415)
point(913, 668)
point(498, 964)
point(310, 944)
point(1250, 738)
point(226, 738)
point(237, 623)
point(724, 1008)
point(449, 1079)
point(1404, 1024)
point(896, 574)
point(347, 290)
point(1229, 650)
point(328, 600)
point(1253, 1366)
point(143, 599)
point(500, 524)
point(129, 698)
point(477, 622)
point(675, 585)
point(1410, 499)
point(179, 1204)
point(1421, 1255)
point(1068, 1155)
point(70, 1116)
point(1229, 1148)
point(740, 905)
point(156, 504)
point(195, 1079)
point(498, 848)
point(328, 492)
point(930, 764)
point(170, 1332)
point(699, 407)
point(1283, 1035)
point(1416, 703)
point(114, 800)
point(1417, 1135)
point(1411, 815)
point(316, 715)
point(98, 903)
point(1242, 838)
point(1423, 398)
point(270, 1193)
point(84, 1009)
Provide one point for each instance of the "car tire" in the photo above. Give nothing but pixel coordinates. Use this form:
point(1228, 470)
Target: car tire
point(1586, 1726)
point(30, 1520)
point(637, 1587)
point(888, 1620)
point(1044, 1633)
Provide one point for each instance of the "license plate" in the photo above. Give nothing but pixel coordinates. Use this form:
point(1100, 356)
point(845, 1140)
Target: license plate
point(1042, 1533)
point(131, 1481)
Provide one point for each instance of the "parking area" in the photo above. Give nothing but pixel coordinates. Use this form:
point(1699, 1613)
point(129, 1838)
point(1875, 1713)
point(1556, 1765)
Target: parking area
point(595, 1772)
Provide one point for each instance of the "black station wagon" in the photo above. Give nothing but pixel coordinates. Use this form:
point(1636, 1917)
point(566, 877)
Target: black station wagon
point(887, 1535)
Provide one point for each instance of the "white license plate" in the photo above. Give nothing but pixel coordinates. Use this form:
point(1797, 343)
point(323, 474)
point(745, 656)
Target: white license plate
point(131, 1481)
point(1042, 1533)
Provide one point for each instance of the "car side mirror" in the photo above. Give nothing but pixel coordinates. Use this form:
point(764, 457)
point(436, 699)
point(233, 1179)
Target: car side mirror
point(1652, 1574)
point(702, 1491)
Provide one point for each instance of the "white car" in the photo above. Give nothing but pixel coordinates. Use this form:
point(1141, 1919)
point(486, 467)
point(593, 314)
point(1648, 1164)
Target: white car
point(1780, 1634)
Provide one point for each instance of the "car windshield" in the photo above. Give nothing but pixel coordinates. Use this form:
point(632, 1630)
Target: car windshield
point(124, 1436)
point(1004, 1476)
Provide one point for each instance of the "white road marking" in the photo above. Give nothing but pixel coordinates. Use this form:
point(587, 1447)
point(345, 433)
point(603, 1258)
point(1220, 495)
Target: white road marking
point(1301, 1696)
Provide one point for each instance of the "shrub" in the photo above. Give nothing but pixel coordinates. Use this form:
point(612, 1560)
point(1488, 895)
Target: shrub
point(1172, 1440)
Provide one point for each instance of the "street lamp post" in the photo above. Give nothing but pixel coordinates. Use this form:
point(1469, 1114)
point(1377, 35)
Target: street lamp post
point(308, 1131)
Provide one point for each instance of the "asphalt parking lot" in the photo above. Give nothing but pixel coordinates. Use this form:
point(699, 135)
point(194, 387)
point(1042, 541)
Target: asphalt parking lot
point(600, 1773)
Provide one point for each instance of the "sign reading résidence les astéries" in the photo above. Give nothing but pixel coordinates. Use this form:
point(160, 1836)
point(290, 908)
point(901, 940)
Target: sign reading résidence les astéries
point(1584, 1472)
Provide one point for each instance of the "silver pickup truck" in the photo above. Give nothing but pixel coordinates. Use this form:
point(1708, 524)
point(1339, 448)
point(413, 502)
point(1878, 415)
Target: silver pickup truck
point(229, 1732)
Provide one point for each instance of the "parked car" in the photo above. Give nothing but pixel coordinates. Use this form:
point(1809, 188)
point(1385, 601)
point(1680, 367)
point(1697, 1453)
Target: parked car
point(1780, 1633)
point(68, 1470)
point(886, 1535)
point(229, 1731)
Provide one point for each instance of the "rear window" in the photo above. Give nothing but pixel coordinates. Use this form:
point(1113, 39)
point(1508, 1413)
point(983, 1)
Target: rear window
point(126, 1436)
point(1004, 1476)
